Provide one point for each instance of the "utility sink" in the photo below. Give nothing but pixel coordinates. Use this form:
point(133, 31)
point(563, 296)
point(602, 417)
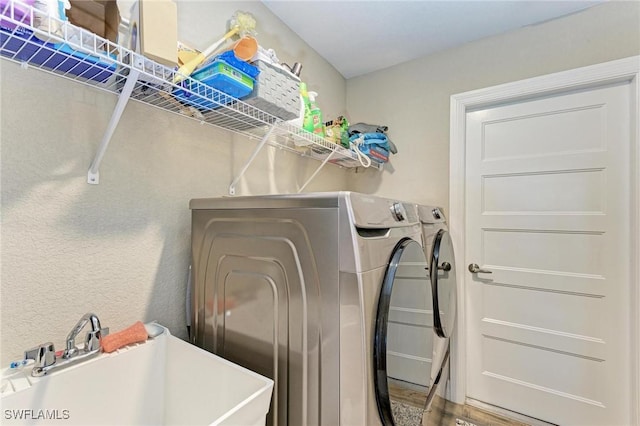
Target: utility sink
point(162, 381)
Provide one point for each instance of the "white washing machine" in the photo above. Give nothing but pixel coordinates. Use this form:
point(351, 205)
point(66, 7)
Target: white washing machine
point(300, 288)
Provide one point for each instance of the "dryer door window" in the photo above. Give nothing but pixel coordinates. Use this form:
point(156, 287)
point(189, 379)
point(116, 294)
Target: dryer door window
point(442, 270)
point(403, 339)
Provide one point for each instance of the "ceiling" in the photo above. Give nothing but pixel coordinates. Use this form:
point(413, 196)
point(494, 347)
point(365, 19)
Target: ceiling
point(358, 37)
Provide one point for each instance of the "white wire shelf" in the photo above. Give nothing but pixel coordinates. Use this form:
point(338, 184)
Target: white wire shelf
point(71, 52)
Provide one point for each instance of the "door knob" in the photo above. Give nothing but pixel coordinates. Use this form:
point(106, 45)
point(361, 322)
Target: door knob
point(446, 266)
point(474, 268)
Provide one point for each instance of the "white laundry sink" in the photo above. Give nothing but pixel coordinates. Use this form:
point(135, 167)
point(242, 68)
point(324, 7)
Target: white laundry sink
point(162, 381)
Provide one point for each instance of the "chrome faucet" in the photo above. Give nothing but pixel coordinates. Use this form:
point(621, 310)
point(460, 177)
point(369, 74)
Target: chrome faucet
point(92, 340)
point(45, 355)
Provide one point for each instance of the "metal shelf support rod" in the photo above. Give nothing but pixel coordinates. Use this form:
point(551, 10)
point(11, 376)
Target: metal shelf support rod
point(93, 176)
point(326, 160)
point(254, 154)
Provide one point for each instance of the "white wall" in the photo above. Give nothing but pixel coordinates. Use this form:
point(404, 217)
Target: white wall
point(121, 249)
point(413, 98)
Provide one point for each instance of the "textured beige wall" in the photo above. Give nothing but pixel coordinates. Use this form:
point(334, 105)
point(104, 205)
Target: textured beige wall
point(413, 98)
point(121, 249)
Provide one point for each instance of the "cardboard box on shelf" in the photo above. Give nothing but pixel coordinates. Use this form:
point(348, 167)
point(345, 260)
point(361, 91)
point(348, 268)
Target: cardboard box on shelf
point(156, 24)
point(101, 17)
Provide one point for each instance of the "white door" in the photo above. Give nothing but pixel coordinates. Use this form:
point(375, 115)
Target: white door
point(547, 213)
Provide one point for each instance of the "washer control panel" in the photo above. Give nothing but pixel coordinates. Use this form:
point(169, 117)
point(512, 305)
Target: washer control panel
point(381, 213)
point(398, 211)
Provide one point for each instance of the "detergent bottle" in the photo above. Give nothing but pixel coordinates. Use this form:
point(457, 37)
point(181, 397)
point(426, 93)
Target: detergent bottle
point(307, 121)
point(316, 116)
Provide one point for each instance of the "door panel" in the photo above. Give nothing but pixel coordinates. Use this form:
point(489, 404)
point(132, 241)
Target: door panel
point(547, 199)
point(582, 191)
point(504, 304)
point(542, 133)
point(543, 251)
point(529, 365)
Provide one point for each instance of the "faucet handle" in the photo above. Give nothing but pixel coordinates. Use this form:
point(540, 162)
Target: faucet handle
point(44, 355)
point(93, 338)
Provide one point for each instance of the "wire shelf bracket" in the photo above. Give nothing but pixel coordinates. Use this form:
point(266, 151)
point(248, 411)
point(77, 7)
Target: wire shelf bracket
point(254, 154)
point(326, 160)
point(93, 176)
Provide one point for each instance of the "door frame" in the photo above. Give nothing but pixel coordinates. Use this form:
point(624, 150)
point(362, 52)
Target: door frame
point(622, 70)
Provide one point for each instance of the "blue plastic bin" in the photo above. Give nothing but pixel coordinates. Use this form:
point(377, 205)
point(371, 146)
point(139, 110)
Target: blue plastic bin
point(21, 44)
point(219, 75)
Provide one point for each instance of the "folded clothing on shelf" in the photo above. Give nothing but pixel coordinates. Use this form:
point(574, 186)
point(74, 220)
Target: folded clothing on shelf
point(372, 128)
point(376, 153)
point(373, 145)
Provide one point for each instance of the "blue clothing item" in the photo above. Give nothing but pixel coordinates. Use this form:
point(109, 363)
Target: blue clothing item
point(373, 145)
point(372, 128)
point(376, 153)
point(378, 139)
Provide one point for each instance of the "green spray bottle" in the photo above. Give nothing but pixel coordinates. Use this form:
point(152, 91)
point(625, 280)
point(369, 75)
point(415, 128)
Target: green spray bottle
point(316, 115)
point(307, 121)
